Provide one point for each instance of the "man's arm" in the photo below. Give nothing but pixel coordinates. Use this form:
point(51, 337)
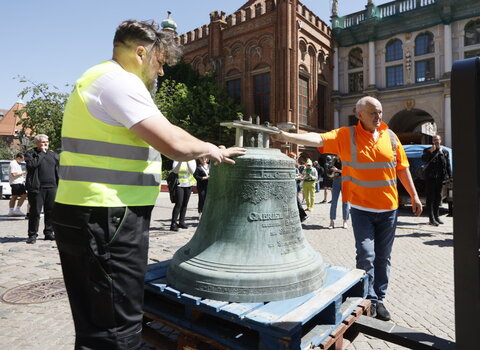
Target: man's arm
point(308, 139)
point(407, 182)
point(428, 154)
point(33, 159)
point(178, 144)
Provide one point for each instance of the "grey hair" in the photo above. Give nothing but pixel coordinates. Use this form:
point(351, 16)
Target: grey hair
point(148, 32)
point(362, 102)
point(39, 136)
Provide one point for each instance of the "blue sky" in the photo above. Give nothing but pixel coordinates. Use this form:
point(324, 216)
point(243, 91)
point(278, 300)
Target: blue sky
point(55, 41)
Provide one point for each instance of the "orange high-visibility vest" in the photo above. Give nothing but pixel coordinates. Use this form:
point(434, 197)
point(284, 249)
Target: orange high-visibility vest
point(369, 167)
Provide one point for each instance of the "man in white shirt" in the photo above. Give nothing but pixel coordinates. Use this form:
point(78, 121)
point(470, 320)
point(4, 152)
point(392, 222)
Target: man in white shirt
point(17, 183)
point(110, 167)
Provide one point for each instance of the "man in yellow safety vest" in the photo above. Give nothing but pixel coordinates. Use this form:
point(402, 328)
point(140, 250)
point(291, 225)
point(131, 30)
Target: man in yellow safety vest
point(110, 167)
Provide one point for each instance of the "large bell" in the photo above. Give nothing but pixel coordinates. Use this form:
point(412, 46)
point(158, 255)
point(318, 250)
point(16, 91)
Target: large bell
point(249, 245)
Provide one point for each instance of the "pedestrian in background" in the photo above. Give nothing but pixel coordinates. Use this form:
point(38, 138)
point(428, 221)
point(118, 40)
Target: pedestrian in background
point(370, 185)
point(321, 174)
point(41, 184)
point(336, 190)
point(327, 179)
point(298, 177)
point(437, 171)
point(186, 181)
point(300, 168)
point(202, 174)
point(16, 178)
point(112, 137)
point(309, 176)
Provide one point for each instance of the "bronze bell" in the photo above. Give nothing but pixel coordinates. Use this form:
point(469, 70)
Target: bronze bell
point(249, 245)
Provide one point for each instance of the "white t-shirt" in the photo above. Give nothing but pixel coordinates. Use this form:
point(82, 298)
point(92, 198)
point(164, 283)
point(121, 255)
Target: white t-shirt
point(15, 168)
point(120, 98)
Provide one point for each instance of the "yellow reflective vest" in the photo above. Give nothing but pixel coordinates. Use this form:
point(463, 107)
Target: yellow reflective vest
point(102, 165)
point(184, 176)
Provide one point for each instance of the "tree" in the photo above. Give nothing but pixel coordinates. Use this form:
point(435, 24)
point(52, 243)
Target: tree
point(5, 151)
point(43, 113)
point(197, 104)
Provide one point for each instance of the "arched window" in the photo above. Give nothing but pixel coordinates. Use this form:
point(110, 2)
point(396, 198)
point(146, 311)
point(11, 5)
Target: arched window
point(424, 44)
point(233, 85)
point(303, 96)
point(322, 101)
point(472, 33)
point(394, 50)
point(261, 96)
point(424, 66)
point(355, 58)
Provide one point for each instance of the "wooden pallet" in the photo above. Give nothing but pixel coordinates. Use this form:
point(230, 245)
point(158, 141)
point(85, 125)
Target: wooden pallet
point(305, 322)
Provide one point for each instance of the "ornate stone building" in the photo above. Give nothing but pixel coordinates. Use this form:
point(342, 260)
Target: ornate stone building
point(402, 53)
point(275, 58)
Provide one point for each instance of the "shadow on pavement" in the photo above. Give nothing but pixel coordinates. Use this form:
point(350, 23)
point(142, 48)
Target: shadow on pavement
point(447, 242)
point(313, 227)
point(404, 223)
point(441, 243)
point(12, 239)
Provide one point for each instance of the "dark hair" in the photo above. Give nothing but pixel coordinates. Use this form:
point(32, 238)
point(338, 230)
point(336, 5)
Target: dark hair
point(148, 32)
point(19, 155)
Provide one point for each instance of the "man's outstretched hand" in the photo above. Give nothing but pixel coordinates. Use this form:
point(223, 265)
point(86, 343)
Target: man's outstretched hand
point(221, 154)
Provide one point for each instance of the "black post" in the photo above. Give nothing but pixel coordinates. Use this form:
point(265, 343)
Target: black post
point(465, 92)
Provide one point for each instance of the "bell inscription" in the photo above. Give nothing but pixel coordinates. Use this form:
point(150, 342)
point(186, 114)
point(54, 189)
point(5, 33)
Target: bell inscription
point(249, 245)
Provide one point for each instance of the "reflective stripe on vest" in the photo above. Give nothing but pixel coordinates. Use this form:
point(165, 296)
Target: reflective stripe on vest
point(108, 176)
point(354, 164)
point(100, 148)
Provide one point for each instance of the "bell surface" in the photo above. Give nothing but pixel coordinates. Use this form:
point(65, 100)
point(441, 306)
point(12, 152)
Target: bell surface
point(249, 245)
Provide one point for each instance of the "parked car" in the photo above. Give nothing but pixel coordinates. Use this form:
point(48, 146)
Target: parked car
point(414, 155)
point(6, 189)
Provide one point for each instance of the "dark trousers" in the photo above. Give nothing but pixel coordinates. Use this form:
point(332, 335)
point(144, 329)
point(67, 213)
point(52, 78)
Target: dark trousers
point(45, 198)
point(301, 211)
point(433, 188)
point(180, 208)
point(202, 194)
point(103, 252)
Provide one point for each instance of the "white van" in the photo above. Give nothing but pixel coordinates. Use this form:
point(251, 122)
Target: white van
point(6, 189)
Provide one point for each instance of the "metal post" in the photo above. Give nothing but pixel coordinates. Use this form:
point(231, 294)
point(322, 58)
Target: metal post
point(239, 137)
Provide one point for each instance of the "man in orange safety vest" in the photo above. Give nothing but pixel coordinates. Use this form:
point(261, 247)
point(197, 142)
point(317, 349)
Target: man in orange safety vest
point(372, 159)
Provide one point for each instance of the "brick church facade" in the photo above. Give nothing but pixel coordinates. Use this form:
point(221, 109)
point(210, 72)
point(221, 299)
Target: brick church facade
point(275, 58)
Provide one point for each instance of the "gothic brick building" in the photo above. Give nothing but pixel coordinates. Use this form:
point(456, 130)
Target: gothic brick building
point(275, 58)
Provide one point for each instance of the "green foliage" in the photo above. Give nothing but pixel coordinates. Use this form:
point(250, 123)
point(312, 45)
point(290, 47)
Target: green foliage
point(197, 104)
point(43, 113)
point(5, 151)
point(182, 72)
point(165, 174)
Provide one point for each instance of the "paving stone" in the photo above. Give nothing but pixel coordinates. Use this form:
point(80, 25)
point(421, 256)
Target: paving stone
point(420, 294)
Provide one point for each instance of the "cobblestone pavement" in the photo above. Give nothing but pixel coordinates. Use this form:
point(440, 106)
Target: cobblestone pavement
point(420, 295)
